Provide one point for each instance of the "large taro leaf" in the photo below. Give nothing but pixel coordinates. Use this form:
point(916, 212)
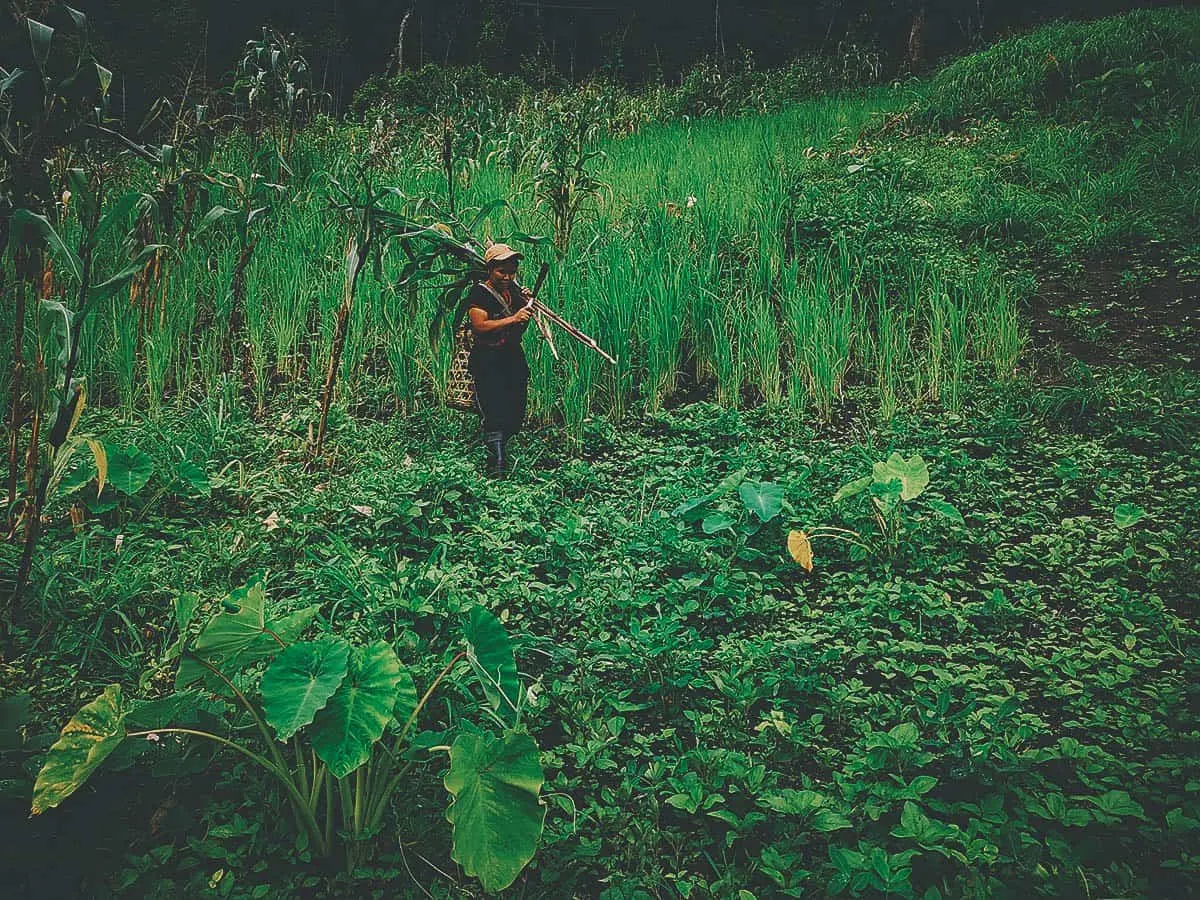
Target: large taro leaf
point(344, 732)
point(853, 488)
point(128, 468)
point(763, 498)
point(497, 815)
point(491, 655)
point(692, 508)
point(406, 698)
point(276, 633)
point(228, 634)
point(92, 734)
point(300, 681)
point(912, 474)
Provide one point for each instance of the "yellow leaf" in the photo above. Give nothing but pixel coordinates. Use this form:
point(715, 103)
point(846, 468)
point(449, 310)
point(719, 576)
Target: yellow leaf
point(100, 455)
point(78, 411)
point(800, 548)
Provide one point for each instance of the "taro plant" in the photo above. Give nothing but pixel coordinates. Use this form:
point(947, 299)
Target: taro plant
point(333, 724)
point(891, 488)
point(758, 503)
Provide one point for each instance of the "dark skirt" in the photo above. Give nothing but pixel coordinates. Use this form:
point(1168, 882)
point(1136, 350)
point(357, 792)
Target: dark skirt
point(501, 387)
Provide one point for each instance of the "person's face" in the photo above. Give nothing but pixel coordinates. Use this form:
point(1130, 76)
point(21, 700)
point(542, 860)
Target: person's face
point(504, 273)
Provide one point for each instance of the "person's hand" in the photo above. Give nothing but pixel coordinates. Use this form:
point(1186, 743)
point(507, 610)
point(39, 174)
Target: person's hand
point(522, 315)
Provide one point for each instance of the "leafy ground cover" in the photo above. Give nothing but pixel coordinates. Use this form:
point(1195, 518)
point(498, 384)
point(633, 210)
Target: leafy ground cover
point(1003, 705)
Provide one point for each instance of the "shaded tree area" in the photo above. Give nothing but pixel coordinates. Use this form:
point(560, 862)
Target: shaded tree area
point(168, 47)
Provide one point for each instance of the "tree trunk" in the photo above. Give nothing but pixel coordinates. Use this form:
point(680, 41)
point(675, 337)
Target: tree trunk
point(916, 39)
point(399, 57)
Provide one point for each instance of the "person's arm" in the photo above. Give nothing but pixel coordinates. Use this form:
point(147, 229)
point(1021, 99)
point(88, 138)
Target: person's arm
point(482, 324)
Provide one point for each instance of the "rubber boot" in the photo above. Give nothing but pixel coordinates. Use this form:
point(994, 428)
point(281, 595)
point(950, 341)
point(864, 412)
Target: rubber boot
point(507, 457)
point(493, 445)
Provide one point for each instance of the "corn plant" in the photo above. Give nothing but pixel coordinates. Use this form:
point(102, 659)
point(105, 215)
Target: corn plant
point(564, 179)
point(252, 201)
point(49, 100)
point(80, 267)
point(274, 81)
point(332, 724)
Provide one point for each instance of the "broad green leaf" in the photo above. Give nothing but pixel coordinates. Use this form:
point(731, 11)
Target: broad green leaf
point(40, 37)
point(111, 285)
point(853, 488)
point(497, 815)
point(1178, 820)
point(80, 22)
point(287, 629)
point(1118, 803)
point(923, 784)
point(66, 257)
point(491, 656)
point(904, 734)
point(763, 498)
point(54, 334)
point(947, 510)
point(80, 471)
point(299, 682)
point(128, 468)
point(345, 731)
point(1126, 515)
point(826, 820)
point(104, 78)
point(92, 734)
point(98, 505)
point(175, 709)
point(689, 507)
point(717, 522)
point(912, 472)
point(82, 194)
point(214, 215)
point(185, 608)
point(115, 214)
point(194, 477)
point(406, 697)
point(927, 832)
point(1067, 469)
point(728, 483)
point(227, 634)
point(792, 802)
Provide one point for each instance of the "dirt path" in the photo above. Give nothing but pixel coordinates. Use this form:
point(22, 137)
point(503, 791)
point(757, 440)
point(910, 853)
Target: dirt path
point(1130, 308)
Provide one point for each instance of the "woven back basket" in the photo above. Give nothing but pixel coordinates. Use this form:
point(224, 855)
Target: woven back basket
point(460, 386)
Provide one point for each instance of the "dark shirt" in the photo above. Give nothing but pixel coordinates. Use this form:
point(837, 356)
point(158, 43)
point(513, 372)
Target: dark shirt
point(508, 337)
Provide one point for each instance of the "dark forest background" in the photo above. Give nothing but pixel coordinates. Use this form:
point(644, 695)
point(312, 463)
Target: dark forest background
point(155, 47)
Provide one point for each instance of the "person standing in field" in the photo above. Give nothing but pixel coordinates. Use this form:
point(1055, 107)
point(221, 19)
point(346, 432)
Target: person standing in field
point(499, 314)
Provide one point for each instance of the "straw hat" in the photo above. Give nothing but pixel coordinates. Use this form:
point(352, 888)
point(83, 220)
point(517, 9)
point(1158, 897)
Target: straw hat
point(498, 253)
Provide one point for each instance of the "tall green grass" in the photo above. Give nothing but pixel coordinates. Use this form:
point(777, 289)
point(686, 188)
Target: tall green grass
point(792, 254)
